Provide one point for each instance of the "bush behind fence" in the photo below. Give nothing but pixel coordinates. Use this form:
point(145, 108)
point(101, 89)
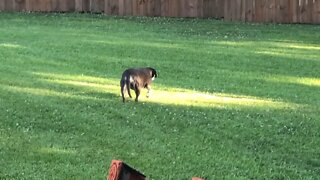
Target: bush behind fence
point(279, 11)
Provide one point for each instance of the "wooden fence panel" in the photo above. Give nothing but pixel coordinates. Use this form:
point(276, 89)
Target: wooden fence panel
point(280, 11)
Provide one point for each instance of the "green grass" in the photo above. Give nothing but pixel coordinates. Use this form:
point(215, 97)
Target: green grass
point(232, 101)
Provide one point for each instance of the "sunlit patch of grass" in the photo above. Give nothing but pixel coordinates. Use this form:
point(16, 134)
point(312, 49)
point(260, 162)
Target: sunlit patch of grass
point(170, 96)
point(295, 80)
point(10, 45)
point(274, 53)
point(55, 150)
point(46, 92)
point(298, 46)
point(214, 100)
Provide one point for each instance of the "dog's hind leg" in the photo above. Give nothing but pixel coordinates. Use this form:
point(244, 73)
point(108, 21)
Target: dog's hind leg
point(122, 85)
point(128, 88)
point(137, 91)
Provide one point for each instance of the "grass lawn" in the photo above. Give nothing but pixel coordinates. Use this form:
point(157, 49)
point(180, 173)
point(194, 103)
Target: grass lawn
point(232, 100)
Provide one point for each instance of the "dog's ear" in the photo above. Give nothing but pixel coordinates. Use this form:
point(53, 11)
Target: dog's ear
point(154, 73)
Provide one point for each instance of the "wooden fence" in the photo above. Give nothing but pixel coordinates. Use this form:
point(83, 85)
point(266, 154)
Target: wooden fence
point(280, 11)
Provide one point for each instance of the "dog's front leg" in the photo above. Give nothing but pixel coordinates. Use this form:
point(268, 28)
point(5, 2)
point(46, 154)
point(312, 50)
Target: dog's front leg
point(149, 91)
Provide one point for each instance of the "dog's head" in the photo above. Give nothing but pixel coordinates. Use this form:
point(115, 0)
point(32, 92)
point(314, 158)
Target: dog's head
point(153, 73)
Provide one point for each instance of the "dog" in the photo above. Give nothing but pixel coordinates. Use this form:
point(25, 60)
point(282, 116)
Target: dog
point(137, 79)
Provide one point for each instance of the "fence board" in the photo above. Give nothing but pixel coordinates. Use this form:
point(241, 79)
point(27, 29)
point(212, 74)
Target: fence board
point(303, 11)
point(220, 9)
point(121, 7)
point(127, 8)
point(278, 13)
point(173, 8)
point(199, 9)
point(243, 11)
point(54, 6)
point(96, 6)
point(227, 8)
point(237, 10)
point(78, 5)
point(209, 8)
point(33, 5)
point(9, 5)
point(258, 11)
point(2, 6)
point(111, 7)
point(248, 10)
point(135, 7)
point(192, 7)
point(316, 12)
point(294, 11)
point(157, 7)
point(309, 9)
point(18, 5)
point(164, 8)
point(284, 9)
point(151, 8)
point(270, 12)
point(142, 7)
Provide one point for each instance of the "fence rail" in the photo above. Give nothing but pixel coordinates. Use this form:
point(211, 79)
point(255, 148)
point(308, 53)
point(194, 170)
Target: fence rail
point(280, 11)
